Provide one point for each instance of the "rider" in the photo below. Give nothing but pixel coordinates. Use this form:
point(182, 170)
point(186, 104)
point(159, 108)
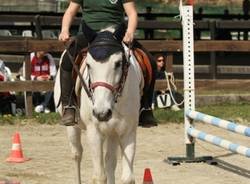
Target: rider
point(97, 14)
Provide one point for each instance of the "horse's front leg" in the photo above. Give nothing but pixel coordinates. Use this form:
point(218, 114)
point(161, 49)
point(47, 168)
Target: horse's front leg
point(74, 136)
point(95, 141)
point(111, 158)
point(128, 143)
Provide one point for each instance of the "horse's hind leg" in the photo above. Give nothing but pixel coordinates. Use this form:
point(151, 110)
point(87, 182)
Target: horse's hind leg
point(111, 158)
point(128, 143)
point(74, 136)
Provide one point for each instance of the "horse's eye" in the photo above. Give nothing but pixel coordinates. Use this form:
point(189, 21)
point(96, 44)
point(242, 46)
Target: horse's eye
point(117, 64)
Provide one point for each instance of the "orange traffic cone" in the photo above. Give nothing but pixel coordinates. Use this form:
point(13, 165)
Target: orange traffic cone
point(147, 179)
point(16, 154)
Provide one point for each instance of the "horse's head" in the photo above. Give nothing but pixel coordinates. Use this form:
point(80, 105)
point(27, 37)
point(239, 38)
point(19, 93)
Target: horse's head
point(107, 66)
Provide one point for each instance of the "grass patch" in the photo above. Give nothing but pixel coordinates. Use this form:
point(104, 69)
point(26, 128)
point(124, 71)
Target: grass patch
point(9, 119)
point(51, 118)
point(238, 112)
point(233, 112)
point(166, 115)
point(40, 118)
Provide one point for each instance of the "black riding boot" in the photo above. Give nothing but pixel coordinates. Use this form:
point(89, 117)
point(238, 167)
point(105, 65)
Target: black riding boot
point(67, 98)
point(147, 118)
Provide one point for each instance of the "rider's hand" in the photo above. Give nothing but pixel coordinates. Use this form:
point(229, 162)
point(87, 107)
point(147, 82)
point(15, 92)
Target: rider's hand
point(128, 38)
point(64, 36)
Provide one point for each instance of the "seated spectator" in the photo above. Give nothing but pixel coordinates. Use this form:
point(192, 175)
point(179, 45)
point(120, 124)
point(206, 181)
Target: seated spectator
point(7, 99)
point(161, 64)
point(171, 96)
point(43, 68)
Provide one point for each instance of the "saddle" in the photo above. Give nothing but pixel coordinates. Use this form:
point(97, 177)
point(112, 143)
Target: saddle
point(146, 67)
point(141, 57)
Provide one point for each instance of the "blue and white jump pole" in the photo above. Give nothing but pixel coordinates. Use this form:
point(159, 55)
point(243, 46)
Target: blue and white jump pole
point(189, 106)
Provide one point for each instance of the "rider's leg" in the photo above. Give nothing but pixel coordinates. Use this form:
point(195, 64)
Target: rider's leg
point(146, 116)
point(67, 83)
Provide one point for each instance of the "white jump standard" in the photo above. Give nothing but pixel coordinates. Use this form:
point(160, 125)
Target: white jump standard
point(189, 106)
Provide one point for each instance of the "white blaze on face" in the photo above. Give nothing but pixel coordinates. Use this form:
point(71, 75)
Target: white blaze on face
point(109, 72)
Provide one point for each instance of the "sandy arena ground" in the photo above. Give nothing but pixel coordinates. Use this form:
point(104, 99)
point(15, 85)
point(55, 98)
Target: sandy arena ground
point(51, 159)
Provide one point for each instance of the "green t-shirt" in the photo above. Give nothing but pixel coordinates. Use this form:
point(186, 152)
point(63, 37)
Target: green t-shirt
point(99, 14)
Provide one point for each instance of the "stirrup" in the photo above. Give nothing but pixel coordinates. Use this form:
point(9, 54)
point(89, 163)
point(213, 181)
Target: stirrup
point(70, 120)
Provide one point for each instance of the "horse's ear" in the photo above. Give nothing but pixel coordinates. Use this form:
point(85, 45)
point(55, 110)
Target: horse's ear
point(120, 31)
point(89, 33)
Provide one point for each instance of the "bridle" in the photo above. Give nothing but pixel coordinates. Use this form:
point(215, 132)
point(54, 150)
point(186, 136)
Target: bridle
point(117, 89)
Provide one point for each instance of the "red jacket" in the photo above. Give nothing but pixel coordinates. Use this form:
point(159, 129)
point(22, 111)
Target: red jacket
point(40, 67)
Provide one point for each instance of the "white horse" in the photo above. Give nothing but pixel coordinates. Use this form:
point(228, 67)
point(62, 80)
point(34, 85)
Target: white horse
point(109, 109)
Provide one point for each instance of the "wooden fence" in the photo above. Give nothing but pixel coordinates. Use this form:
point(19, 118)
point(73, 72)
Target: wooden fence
point(26, 46)
point(50, 21)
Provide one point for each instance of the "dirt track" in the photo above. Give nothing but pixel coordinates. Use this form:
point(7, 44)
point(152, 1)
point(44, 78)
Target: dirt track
point(51, 159)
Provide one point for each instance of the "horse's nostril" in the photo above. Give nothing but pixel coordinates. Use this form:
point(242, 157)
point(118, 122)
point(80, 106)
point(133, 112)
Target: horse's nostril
point(109, 113)
point(103, 116)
